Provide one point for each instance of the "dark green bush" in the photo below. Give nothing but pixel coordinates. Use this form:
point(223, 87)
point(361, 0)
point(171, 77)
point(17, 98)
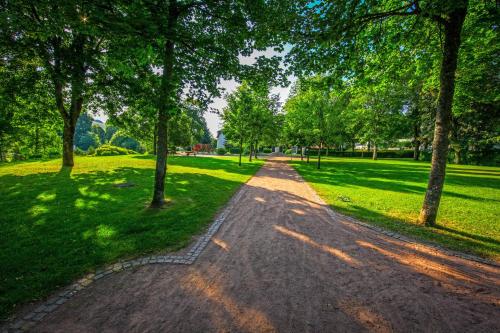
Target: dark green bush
point(234, 150)
point(221, 151)
point(267, 150)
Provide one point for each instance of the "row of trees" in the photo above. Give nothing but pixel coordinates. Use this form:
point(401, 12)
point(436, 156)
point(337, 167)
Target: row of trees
point(251, 117)
point(144, 59)
point(382, 70)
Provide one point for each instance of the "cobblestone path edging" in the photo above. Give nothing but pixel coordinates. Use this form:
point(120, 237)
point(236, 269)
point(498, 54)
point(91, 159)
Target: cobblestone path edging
point(29, 320)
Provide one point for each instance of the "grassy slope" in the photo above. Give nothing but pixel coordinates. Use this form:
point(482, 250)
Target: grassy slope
point(390, 193)
point(57, 224)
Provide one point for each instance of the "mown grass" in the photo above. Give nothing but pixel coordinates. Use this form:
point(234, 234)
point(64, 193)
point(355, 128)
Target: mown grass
point(390, 193)
point(57, 224)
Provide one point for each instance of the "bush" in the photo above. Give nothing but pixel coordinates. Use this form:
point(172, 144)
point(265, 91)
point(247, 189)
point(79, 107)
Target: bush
point(80, 152)
point(288, 152)
point(235, 150)
point(365, 153)
point(221, 151)
point(267, 150)
point(120, 139)
point(109, 150)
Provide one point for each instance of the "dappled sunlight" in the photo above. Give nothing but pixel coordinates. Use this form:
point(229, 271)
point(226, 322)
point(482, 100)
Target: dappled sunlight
point(245, 318)
point(424, 266)
point(46, 196)
point(298, 211)
point(328, 249)
point(365, 316)
point(219, 242)
point(259, 199)
point(38, 210)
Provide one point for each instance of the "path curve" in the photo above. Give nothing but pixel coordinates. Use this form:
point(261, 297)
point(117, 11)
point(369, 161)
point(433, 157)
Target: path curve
point(281, 263)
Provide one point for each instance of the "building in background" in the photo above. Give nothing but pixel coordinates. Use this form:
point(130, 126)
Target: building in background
point(221, 140)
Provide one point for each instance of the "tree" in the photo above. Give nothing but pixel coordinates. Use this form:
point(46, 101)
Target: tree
point(189, 46)
point(236, 116)
point(69, 38)
point(329, 39)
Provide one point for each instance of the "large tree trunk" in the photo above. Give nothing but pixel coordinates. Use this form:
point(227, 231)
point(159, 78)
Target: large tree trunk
point(68, 142)
point(163, 110)
point(452, 32)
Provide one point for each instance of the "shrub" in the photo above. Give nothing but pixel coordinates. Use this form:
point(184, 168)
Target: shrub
point(121, 139)
point(267, 150)
point(109, 150)
point(288, 152)
point(221, 151)
point(235, 150)
point(79, 152)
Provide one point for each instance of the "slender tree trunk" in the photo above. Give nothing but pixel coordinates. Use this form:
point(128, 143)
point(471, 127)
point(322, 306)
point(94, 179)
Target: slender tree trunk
point(374, 156)
point(327, 148)
point(416, 142)
point(301, 154)
point(155, 138)
point(163, 110)
point(319, 155)
point(452, 32)
point(241, 151)
point(255, 151)
point(353, 146)
point(458, 156)
point(369, 145)
point(251, 153)
point(307, 154)
point(37, 140)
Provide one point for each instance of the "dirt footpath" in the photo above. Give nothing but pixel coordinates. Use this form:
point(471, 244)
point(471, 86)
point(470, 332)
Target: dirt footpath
point(280, 263)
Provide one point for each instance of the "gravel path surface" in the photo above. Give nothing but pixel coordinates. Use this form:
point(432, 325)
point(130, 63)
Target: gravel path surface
point(280, 263)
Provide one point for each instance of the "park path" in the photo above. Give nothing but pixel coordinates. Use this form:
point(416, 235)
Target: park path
point(281, 263)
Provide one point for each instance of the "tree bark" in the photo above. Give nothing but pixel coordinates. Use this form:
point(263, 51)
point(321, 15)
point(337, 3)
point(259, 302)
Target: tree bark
point(166, 91)
point(319, 155)
point(155, 137)
point(416, 142)
point(307, 154)
point(301, 154)
point(452, 32)
point(251, 152)
point(241, 151)
point(374, 156)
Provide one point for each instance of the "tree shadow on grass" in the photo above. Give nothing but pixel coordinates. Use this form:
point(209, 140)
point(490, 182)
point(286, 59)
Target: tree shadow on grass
point(456, 240)
point(210, 163)
point(391, 177)
point(57, 226)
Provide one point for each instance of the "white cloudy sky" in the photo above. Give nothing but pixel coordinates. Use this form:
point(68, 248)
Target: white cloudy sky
point(213, 120)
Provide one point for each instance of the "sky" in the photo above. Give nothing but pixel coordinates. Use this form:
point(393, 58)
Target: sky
point(214, 122)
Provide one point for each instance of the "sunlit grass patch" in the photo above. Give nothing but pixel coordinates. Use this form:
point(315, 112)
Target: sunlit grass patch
point(58, 223)
point(390, 193)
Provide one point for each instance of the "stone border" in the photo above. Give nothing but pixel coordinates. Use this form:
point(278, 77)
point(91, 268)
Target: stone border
point(32, 318)
point(336, 215)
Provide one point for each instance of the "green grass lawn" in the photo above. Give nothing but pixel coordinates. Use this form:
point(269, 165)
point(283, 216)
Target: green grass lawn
point(390, 193)
point(57, 224)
